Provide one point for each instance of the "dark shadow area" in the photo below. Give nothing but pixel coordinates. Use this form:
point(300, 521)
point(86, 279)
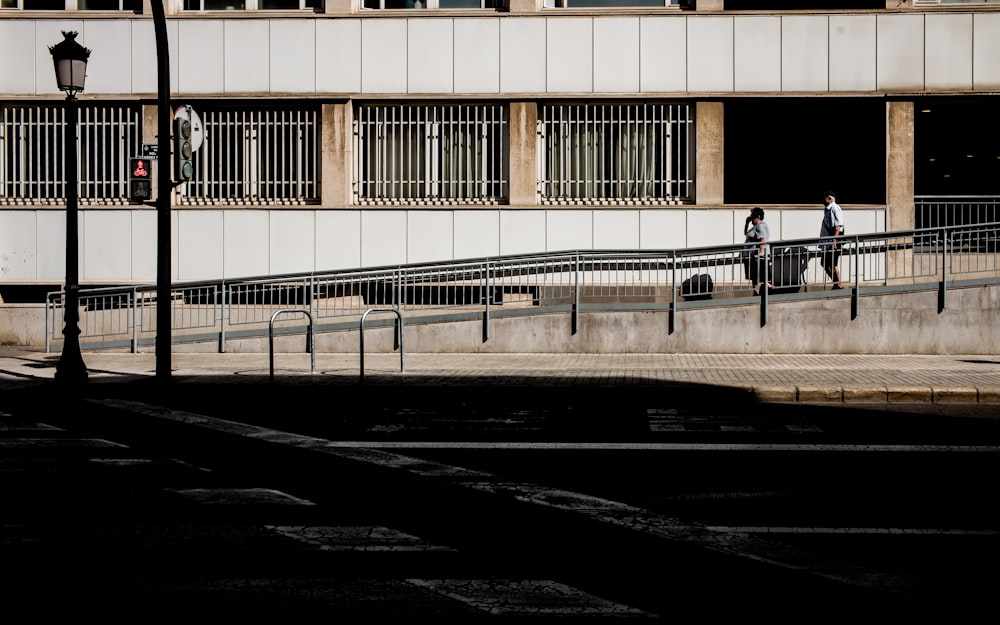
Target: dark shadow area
point(788, 150)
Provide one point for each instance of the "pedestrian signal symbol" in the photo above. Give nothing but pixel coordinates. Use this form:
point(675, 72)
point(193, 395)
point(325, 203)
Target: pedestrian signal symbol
point(140, 180)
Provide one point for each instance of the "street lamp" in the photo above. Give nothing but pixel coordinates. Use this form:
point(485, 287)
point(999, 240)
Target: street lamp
point(70, 61)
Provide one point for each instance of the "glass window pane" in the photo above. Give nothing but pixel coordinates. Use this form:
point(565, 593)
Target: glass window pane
point(44, 5)
point(460, 4)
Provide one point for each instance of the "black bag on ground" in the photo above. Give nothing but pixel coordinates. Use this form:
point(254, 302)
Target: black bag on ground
point(697, 287)
point(789, 269)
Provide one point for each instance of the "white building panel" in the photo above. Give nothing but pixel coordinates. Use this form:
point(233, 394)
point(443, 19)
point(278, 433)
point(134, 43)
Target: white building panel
point(477, 56)
point(710, 54)
point(986, 51)
point(17, 240)
point(616, 55)
point(293, 63)
point(616, 229)
point(50, 254)
point(805, 53)
point(383, 238)
point(199, 57)
point(900, 51)
point(16, 37)
point(522, 231)
point(246, 45)
point(663, 54)
point(477, 234)
point(293, 240)
point(852, 52)
point(110, 67)
point(430, 53)
point(805, 224)
point(199, 237)
point(338, 56)
point(569, 230)
point(383, 56)
point(246, 243)
point(144, 245)
point(145, 77)
point(522, 45)
point(705, 228)
point(47, 34)
point(948, 51)
point(429, 236)
point(757, 60)
point(338, 240)
point(103, 235)
point(662, 229)
point(569, 55)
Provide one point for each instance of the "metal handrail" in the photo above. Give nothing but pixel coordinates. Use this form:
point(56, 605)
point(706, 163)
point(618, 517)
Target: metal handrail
point(564, 281)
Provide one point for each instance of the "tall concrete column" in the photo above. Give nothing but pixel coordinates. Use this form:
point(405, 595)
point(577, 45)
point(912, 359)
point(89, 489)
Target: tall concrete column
point(709, 5)
point(523, 154)
point(710, 145)
point(899, 187)
point(337, 154)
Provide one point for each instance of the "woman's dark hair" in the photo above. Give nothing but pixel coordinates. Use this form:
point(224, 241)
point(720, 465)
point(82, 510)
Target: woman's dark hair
point(757, 212)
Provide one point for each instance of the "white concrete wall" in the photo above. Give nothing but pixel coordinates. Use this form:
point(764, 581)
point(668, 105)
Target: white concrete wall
point(120, 245)
point(631, 54)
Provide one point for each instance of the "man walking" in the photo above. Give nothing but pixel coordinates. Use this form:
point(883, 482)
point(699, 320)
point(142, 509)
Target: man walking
point(833, 226)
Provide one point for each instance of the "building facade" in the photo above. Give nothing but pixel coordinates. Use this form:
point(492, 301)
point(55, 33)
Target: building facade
point(364, 133)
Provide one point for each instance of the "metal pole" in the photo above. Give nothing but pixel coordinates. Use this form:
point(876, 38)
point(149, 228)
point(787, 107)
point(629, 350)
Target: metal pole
point(163, 287)
point(71, 368)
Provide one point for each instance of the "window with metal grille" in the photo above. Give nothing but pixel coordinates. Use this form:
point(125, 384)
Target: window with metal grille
point(32, 153)
point(255, 157)
point(616, 153)
point(446, 154)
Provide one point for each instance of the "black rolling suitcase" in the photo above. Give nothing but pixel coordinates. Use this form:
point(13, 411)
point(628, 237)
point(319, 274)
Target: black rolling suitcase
point(697, 287)
point(789, 269)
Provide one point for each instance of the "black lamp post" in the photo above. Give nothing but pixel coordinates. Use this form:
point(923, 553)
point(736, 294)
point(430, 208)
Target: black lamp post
point(70, 61)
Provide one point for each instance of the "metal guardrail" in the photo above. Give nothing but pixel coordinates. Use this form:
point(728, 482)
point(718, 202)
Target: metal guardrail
point(560, 282)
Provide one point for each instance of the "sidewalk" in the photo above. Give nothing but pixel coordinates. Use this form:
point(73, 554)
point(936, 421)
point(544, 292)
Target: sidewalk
point(813, 378)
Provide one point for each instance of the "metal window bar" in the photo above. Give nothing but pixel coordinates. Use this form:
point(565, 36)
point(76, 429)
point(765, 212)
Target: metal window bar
point(259, 157)
point(615, 153)
point(431, 154)
point(32, 151)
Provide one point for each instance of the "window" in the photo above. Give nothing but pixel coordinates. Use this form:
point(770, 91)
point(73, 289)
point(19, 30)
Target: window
point(621, 153)
point(252, 5)
point(79, 5)
point(585, 4)
point(920, 2)
point(32, 153)
point(798, 5)
point(445, 154)
point(255, 157)
point(432, 4)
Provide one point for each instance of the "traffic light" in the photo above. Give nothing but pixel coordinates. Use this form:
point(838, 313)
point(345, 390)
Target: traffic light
point(183, 167)
point(140, 179)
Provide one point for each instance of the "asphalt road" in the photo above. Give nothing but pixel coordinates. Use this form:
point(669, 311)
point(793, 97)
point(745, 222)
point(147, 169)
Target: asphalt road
point(464, 504)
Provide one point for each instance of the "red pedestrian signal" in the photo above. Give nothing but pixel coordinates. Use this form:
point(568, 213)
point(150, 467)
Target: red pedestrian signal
point(140, 179)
